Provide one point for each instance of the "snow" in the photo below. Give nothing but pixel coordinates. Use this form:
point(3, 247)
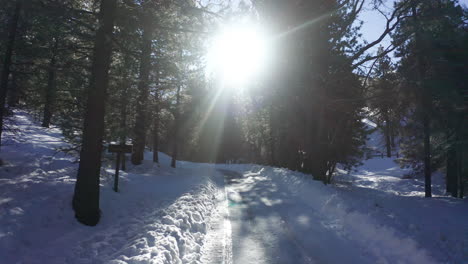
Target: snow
point(437, 224)
point(225, 213)
point(310, 223)
point(160, 214)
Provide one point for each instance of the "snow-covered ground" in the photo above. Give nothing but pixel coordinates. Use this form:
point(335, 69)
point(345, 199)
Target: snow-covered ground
point(204, 213)
point(160, 214)
point(287, 216)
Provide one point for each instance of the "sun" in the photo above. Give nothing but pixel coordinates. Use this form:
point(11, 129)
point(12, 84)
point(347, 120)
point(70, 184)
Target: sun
point(237, 54)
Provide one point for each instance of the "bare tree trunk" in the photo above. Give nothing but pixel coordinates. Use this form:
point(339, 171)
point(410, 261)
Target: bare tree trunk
point(51, 86)
point(143, 87)
point(176, 130)
point(7, 61)
point(86, 197)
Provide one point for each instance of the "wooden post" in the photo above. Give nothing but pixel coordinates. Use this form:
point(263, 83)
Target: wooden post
point(120, 149)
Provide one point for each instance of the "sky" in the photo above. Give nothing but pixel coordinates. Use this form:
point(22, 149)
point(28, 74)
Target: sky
point(374, 23)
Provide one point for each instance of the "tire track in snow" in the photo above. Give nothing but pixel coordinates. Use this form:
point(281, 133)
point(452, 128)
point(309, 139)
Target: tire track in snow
point(286, 233)
point(218, 243)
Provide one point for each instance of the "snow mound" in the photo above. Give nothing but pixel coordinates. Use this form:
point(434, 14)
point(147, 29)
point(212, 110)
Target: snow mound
point(172, 235)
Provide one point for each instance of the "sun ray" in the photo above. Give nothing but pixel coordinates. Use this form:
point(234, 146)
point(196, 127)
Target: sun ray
point(237, 54)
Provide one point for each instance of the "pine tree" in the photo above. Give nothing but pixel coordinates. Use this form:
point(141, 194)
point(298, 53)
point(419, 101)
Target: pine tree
point(433, 76)
point(12, 26)
point(143, 89)
point(86, 197)
point(383, 99)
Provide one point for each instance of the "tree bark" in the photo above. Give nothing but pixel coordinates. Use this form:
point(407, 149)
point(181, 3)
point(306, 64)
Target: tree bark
point(14, 94)
point(123, 107)
point(176, 130)
point(392, 134)
point(458, 189)
point(50, 91)
point(427, 154)
point(451, 176)
point(271, 140)
point(12, 26)
point(86, 197)
point(156, 130)
point(425, 106)
point(387, 134)
point(143, 87)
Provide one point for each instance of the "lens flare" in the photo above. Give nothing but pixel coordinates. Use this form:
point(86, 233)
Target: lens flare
point(237, 55)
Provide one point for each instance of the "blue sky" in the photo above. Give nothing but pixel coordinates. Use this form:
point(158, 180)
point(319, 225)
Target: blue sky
point(374, 23)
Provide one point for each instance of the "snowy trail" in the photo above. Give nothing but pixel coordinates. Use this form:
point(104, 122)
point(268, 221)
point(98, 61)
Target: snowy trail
point(279, 216)
point(218, 213)
point(159, 215)
point(261, 230)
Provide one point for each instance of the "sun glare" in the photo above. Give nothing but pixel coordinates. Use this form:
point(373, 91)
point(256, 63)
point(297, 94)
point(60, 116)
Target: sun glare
point(237, 54)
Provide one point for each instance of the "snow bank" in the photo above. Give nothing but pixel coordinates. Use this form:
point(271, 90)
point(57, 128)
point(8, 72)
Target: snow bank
point(160, 214)
point(384, 226)
point(437, 224)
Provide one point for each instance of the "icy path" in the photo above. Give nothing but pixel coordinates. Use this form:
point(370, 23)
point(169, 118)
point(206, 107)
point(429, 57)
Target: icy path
point(264, 226)
point(280, 216)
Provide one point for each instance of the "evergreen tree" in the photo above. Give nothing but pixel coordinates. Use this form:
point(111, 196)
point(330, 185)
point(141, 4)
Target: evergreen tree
point(12, 27)
point(383, 99)
point(86, 197)
point(434, 82)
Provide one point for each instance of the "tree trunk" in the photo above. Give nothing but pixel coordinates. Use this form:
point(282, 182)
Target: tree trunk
point(392, 134)
point(459, 162)
point(425, 106)
point(123, 107)
point(143, 88)
point(387, 134)
point(318, 162)
point(451, 176)
point(459, 169)
point(330, 171)
point(272, 138)
point(14, 94)
point(86, 197)
point(176, 130)
point(50, 92)
point(156, 130)
point(7, 61)
point(427, 149)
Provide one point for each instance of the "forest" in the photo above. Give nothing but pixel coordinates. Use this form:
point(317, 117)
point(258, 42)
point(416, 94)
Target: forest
point(285, 84)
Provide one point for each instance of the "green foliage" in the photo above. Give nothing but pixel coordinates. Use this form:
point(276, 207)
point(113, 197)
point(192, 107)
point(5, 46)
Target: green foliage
point(442, 74)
